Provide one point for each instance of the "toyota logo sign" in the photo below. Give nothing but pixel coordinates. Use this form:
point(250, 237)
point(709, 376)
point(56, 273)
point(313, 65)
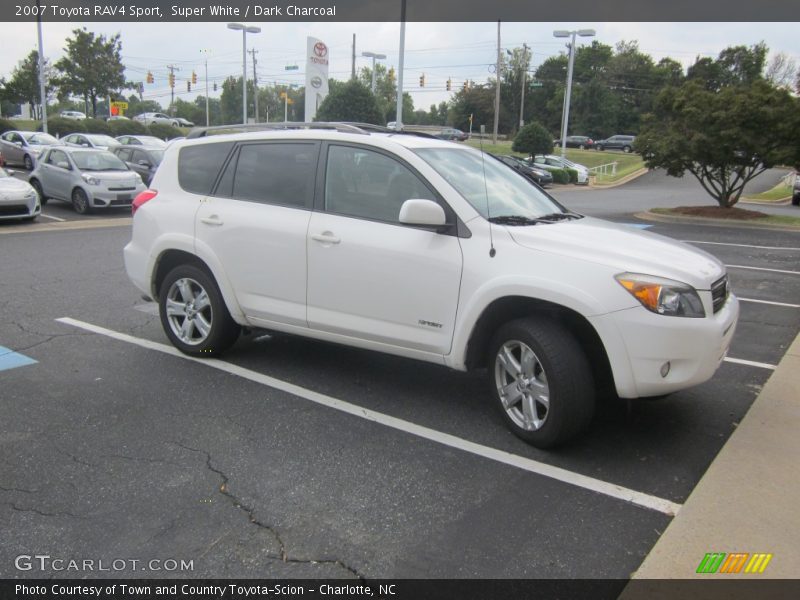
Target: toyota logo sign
point(320, 49)
point(316, 82)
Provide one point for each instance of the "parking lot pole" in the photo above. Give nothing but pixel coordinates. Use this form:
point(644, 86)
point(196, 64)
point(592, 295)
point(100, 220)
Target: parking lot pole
point(498, 72)
point(399, 106)
point(42, 93)
point(565, 124)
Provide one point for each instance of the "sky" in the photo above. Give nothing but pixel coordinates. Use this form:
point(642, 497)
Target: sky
point(439, 50)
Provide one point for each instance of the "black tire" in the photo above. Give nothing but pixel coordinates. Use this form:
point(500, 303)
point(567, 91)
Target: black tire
point(626, 149)
point(80, 202)
point(796, 200)
point(568, 377)
point(28, 161)
point(223, 330)
point(38, 187)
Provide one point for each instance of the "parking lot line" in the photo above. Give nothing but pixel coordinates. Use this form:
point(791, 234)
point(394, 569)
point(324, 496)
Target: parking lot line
point(770, 302)
point(742, 245)
point(52, 217)
point(750, 363)
point(763, 269)
point(599, 486)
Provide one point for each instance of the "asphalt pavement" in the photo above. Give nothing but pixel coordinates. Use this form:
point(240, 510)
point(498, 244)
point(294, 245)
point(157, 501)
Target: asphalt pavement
point(295, 458)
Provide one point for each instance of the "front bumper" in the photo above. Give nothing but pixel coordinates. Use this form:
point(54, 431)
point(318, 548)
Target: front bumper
point(22, 208)
point(104, 196)
point(639, 343)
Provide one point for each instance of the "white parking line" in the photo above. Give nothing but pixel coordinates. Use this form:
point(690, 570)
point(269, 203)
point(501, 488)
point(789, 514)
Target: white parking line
point(595, 485)
point(763, 269)
point(51, 217)
point(750, 363)
point(743, 245)
point(770, 302)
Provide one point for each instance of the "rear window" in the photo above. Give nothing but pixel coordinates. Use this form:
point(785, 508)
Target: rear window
point(198, 166)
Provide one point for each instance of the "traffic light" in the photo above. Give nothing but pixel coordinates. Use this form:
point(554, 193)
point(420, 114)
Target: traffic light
point(194, 78)
point(422, 80)
point(150, 77)
point(171, 79)
point(449, 84)
point(215, 86)
point(390, 75)
point(188, 86)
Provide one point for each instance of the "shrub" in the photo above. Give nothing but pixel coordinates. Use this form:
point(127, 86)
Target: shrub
point(6, 125)
point(573, 174)
point(533, 139)
point(164, 132)
point(560, 176)
point(58, 126)
point(123, 127)
point(96, 126)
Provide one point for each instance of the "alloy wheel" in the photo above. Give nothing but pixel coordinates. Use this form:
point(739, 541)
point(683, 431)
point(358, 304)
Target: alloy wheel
point(522, 385)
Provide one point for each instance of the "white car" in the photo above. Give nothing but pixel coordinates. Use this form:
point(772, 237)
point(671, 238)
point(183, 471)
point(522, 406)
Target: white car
point(149, 118)
point(424, 249)
point(24, 147)
point(90, 140)
point(75, 115)
point(563, 163)
point(18, 200)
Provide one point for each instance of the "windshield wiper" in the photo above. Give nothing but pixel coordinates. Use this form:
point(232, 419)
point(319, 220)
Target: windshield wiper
point(559, 216)
point(513, 220)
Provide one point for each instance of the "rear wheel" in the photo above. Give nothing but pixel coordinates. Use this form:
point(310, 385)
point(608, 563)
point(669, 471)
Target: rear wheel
point(193, 313)
point(39, 191)
point(28, 162)
point(80, 202)
point(626, 149)
point(541, 381)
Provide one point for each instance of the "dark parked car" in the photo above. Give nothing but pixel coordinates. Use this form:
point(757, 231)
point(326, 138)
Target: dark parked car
point(142, 159)
point(616, 142)
point(577, 141)
point(450, 133)
point(796, 193)
point(535, 174)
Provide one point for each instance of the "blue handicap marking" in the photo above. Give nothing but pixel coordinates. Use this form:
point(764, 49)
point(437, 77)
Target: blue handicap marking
point(11, 360)
point(638, 225)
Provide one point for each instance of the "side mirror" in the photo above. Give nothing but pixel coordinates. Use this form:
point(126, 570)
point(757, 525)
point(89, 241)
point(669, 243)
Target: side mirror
point(422, 212)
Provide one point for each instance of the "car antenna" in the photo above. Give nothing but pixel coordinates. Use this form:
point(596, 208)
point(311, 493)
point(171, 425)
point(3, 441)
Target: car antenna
point(492, 251)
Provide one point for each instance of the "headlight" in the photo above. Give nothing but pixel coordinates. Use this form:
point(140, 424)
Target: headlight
point(90, 179)
point(663, 296)
point(30, 195)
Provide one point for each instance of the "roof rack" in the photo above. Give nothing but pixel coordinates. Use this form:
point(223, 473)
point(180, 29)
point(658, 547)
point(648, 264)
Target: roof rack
point(198, 132)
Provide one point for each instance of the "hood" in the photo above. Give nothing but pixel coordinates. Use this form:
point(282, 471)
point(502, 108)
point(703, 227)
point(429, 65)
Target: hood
point(14, 187)
point(623, 248)
point(115, 177)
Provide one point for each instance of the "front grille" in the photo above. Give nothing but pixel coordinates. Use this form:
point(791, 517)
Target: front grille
point(11, 210)
point(719, 292)
point(122, 189)
point(121, 202)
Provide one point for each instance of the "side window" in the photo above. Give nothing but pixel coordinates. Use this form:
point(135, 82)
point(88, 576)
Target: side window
point(370, 185)
point(124, 154)
point(139, 155)
point(198, 166)
point(57, 156)
point(71, 139)
point(280, 173)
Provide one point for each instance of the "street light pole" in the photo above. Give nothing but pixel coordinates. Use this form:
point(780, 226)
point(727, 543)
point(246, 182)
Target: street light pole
point(245, 30)
point(565, 121)
point(524, 77)
point(42, 91)
point(205, 53)
point(399, 105)
point(373, 56)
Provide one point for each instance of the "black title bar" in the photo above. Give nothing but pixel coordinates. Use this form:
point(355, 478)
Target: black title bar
point(586, 11)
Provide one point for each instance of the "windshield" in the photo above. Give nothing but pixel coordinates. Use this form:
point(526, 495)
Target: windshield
point(103, 140)
point(157, 155)
point(98, 161)
point(42, 139)
point(149, 140)
point(502, 193)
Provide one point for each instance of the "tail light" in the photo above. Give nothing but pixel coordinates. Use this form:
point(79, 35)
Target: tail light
point(143, 197)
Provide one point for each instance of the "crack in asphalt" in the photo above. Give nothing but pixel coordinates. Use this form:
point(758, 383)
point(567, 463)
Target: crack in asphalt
point(13, 489)
point(41, 512)
point(249, 511)
point(49, 337)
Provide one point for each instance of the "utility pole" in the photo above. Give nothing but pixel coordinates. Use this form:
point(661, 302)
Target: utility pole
point(42, 92)
point(498, 72)
point(353, 68)
point(253, 53)
point(524, 76)
point(205, 54)
point(172, 69)
point(399, 105)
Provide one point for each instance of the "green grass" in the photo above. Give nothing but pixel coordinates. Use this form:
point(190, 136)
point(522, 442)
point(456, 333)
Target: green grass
point(626, 163)
point(765, 220)
point(780, 192)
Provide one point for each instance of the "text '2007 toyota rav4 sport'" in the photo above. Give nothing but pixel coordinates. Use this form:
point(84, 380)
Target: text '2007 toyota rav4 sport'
point(425, 249)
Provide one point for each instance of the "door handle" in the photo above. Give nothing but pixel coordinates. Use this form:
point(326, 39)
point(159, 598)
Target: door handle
point(212, 220)
point(326, 238)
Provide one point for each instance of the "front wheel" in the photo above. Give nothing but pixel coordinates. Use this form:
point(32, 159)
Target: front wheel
point(28, 162)
point(626, 149)
point(37, 187)
point(193, 313)
point(541, 381)
point(80, 202)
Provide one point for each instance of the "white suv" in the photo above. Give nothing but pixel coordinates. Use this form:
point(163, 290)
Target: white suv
point(425, 249)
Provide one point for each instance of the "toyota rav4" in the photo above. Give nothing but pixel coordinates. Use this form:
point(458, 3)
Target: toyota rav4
point(426, 249)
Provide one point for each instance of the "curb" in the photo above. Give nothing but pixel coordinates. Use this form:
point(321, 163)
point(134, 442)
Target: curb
point(67, 225)
point(658, 218)
point(747, 499)
point(623, 181)
point(780, 202)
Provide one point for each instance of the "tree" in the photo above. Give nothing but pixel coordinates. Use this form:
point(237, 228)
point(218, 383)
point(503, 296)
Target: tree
point(23, 87)
point(723, 138)
point(735, 65)
point(478, 101)
point(781, 71)
point(91, 67)
point(351, 101)
point(533, 139)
